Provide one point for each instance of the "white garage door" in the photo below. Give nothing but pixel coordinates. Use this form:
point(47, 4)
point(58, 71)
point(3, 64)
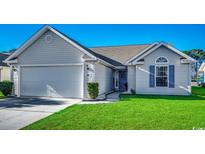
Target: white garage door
point(59, 81)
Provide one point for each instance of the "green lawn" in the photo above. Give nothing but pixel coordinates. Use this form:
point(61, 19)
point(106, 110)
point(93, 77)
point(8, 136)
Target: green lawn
point(132, 112)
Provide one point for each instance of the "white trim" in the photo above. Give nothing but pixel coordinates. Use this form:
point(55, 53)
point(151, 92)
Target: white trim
point(144, 50)
point(167, 75)
point(47, 65)
point(11, 61)
point(37, 35)
point(161, 63)
point(19, 82)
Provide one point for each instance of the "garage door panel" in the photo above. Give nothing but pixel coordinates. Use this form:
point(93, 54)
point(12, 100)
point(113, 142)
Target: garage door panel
point(62, 81)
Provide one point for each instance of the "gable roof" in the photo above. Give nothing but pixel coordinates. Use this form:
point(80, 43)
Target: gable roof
point(114, 56)
point(154, 47)
point(87, 51)
point(120, 53)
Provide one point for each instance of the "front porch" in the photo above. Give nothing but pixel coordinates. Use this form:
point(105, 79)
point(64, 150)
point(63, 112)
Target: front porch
point(120, 79)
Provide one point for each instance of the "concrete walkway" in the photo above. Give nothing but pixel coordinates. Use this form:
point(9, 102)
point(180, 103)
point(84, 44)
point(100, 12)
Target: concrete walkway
point(16, 113)
point(111, 98)
point(115, 96)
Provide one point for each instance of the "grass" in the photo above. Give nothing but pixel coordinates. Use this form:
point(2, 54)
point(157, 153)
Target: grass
point(132, 112)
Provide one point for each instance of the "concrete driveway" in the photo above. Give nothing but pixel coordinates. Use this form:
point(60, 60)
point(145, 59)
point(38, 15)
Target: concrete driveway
point(16, 113)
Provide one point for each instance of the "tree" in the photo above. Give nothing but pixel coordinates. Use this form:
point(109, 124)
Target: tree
point(197, 54)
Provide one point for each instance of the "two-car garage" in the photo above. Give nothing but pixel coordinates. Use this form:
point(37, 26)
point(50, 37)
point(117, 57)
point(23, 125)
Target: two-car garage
point(52, 81)
point(49, 64)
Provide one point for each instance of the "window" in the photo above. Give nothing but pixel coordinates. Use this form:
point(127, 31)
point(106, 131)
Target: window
point(162, 60)
point(161, 76)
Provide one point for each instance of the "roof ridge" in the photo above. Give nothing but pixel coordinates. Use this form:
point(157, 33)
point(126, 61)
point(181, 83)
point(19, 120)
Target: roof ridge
point(121, 45)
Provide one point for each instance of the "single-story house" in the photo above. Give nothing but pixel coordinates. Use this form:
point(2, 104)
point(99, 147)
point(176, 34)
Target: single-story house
point(4, 68)
point(51, 64)
point(201, 73)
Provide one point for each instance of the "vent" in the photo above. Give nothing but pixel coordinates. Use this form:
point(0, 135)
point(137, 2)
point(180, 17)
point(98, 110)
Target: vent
point(48, 39)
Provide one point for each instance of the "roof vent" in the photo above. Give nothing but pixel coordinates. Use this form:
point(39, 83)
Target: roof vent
point(48, 38)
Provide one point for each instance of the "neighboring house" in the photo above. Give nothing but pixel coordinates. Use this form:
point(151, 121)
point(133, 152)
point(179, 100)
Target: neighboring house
point(201, 74)
point(53, 65)
point(4, 68)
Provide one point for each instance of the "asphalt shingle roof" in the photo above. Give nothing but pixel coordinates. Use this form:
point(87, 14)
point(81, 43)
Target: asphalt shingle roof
point(120, 53)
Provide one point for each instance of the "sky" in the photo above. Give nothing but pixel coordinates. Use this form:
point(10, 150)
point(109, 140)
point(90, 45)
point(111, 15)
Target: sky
point(183, 37)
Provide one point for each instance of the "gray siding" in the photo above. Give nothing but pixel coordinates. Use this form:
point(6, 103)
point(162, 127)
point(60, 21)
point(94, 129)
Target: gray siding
point(182, 74)
point(58, 51)
point(104, 76)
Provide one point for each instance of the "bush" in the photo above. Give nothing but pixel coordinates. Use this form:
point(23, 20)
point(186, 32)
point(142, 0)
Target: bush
point(203, 85)
point(93, 89)
point(6, 87)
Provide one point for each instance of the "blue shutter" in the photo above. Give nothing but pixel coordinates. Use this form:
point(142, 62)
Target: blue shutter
point(171, 76)
point(152, 76)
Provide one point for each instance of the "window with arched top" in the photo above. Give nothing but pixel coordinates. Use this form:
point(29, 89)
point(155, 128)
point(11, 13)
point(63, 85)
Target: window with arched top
point(162, 60)
point(161, 72)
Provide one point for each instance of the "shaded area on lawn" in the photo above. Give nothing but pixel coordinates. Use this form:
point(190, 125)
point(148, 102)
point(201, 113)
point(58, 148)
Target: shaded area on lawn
point(131, 97)
point(200, 91)
point(132, 112)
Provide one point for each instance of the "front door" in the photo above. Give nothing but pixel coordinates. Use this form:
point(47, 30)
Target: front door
point(122, 80)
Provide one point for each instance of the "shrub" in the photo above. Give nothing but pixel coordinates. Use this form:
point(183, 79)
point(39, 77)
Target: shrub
point(6, 87)
point(93, 89)
point(203, 85)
